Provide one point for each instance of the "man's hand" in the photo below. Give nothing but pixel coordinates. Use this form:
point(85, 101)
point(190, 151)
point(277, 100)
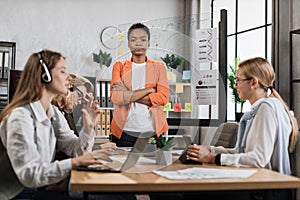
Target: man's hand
point(90, 112)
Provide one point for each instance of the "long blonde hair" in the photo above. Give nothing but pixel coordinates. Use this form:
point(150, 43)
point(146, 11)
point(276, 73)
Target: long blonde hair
point(264, 72)
point(30, 85)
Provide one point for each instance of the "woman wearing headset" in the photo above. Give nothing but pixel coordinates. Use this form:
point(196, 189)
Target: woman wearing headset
point(31, 128)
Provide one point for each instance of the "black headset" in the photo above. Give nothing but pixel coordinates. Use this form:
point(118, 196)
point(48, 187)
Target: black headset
point(46, 76)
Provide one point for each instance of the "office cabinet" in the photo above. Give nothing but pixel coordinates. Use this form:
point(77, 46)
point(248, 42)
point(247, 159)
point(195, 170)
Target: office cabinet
point(104, 119)
point(7, 62)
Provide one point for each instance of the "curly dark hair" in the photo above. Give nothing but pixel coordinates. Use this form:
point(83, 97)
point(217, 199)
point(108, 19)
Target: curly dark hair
point(136, 26)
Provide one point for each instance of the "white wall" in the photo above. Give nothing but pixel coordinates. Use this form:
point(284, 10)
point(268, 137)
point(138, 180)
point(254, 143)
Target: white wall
point(72, 27)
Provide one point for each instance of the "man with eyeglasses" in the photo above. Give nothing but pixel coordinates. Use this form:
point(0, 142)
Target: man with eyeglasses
point(81, 90)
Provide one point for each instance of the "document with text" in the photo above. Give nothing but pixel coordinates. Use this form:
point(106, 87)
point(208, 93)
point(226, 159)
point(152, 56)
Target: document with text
point(202, 173)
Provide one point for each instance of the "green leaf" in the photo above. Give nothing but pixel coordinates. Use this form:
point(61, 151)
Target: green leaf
point(103, 58)
point(165, 144)
point(231, 78)
point(181, 62)
point(96, 58)
point(152, 140)
point(172, 61)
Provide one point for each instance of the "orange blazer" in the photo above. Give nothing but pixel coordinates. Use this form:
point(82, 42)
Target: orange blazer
point(156, 77)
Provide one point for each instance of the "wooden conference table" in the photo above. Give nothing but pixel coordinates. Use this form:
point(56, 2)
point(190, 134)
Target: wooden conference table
point(150, 182)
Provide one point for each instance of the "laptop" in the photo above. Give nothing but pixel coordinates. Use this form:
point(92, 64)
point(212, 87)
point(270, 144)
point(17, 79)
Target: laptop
point(119, 165)
point(114, 166)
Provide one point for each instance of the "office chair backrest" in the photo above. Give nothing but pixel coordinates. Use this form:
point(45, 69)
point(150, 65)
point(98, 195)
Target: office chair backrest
point(226, 135)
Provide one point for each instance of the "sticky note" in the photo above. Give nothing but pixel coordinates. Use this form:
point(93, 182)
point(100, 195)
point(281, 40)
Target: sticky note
point(120, 52)
point(177, 107)
point(186, 75)
point(179, 88)
point(188, 107)
point(167, 107)
point(170, 76)
point(121, 37)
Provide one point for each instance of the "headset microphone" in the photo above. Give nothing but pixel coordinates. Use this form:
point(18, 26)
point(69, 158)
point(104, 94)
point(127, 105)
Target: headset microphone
point(46, 76)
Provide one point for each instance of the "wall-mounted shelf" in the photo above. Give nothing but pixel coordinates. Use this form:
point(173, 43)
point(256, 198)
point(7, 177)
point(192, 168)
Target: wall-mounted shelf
point(296, 81)
point(184, 84)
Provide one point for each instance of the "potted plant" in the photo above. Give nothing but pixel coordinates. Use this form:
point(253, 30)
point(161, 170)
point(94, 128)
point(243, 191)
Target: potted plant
point(151, 145)
point(238, 102)
point(172, 62)
point(164, 155)
point(104, 59)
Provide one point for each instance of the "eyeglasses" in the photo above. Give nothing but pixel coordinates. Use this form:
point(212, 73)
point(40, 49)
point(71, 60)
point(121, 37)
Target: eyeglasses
point(81, 95)
point(236, 81)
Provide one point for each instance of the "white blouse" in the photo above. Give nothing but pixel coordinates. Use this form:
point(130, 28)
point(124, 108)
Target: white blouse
point(31, 144)
point(260, 143)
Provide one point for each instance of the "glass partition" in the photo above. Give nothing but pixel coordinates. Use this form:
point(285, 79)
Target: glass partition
point(190, 82)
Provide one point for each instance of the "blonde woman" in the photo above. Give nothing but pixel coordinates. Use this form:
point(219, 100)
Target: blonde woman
point(267, 134)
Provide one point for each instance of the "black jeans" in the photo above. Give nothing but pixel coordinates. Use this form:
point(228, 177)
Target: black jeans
point(125, 140)
point(128, 140)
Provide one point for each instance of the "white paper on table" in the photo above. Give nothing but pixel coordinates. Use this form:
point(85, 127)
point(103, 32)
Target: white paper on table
point(141, 160)
point(201, 173)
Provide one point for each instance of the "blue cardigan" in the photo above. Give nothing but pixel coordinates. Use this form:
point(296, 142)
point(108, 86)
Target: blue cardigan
point(283, 136)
